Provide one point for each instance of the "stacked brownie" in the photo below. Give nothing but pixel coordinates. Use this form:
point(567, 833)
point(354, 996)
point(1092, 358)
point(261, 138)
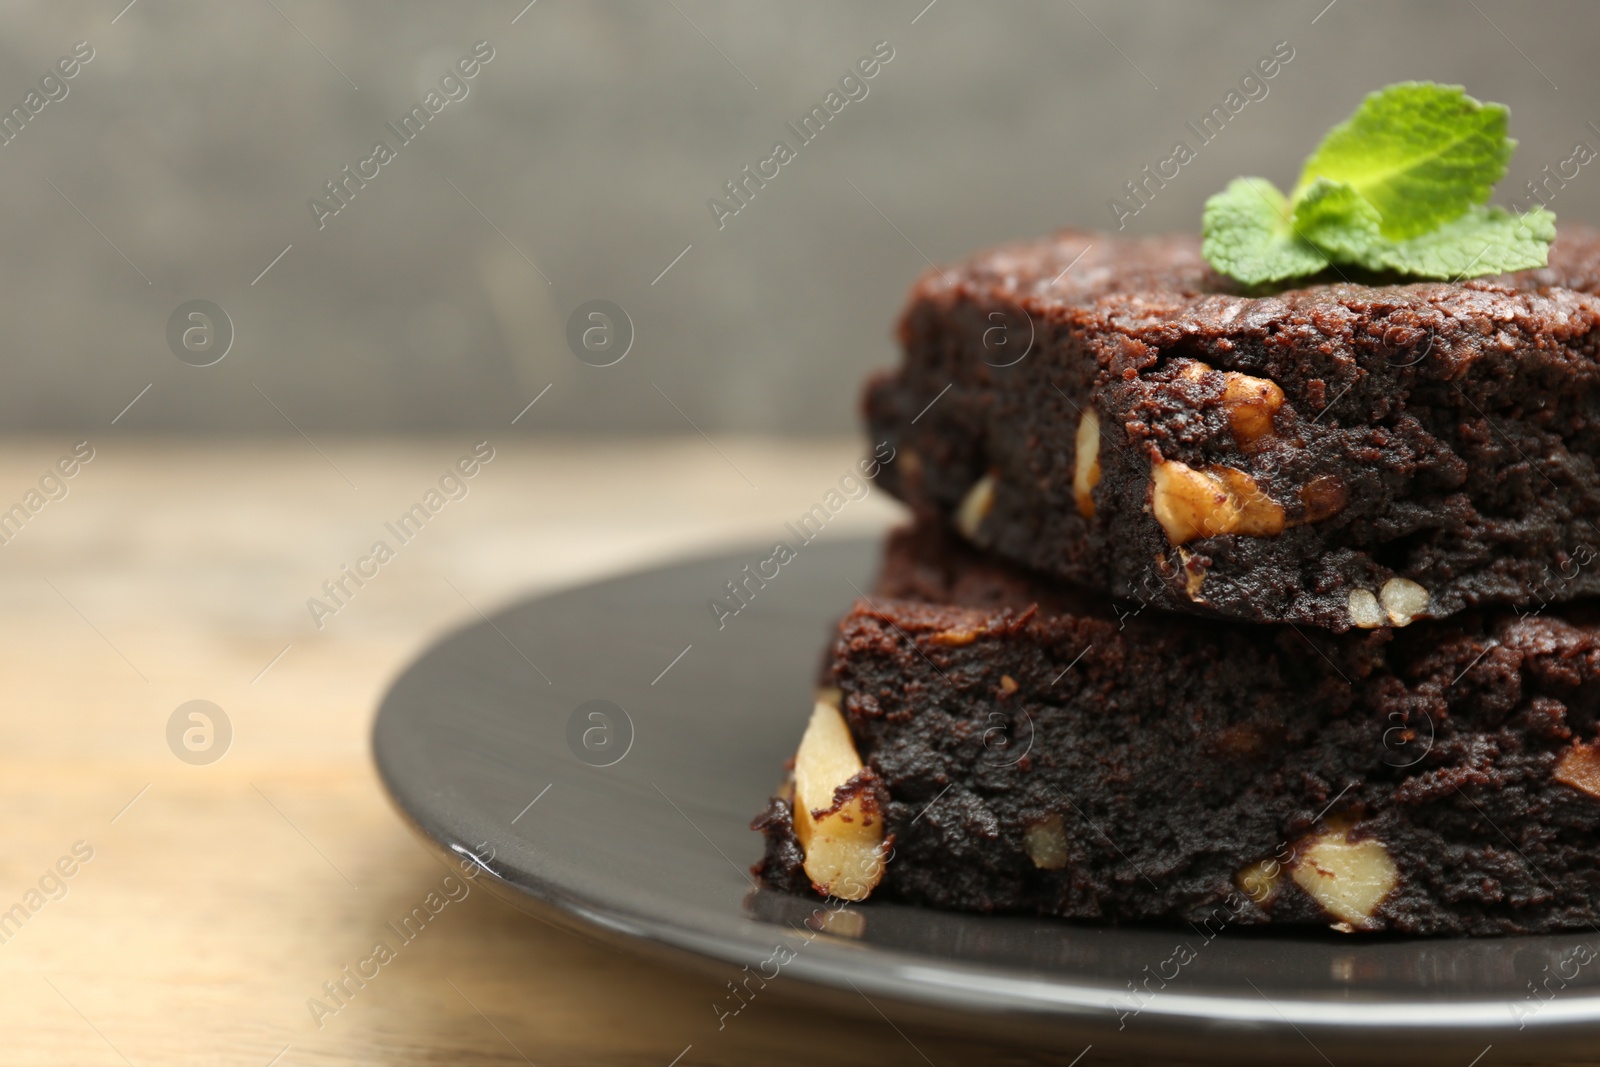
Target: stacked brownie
point(1223, 607)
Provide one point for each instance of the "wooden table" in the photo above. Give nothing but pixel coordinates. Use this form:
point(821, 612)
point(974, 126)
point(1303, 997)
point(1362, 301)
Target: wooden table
point(220, 897)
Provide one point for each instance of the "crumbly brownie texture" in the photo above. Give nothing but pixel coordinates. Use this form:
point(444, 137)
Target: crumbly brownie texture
point(1033, 754)
point(1113, 412)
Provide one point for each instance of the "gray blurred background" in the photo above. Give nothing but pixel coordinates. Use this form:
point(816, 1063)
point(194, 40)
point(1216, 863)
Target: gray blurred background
point(180, 163)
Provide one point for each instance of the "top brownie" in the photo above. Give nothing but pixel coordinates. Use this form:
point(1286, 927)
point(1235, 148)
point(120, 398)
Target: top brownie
point(1355, 452)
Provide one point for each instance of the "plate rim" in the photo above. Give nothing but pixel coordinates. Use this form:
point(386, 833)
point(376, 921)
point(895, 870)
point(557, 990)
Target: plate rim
point(991, 991)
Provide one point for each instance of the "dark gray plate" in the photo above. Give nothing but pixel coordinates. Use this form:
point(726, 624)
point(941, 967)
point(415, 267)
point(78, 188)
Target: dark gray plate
point(488, 746)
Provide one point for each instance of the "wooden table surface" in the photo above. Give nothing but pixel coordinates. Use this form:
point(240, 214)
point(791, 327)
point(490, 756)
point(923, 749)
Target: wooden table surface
point(219, 898)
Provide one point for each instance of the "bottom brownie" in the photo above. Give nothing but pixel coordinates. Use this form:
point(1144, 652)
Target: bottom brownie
point(1018, 747)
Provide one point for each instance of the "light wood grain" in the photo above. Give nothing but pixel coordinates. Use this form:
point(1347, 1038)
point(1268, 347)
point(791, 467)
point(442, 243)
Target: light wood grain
point(224, 897)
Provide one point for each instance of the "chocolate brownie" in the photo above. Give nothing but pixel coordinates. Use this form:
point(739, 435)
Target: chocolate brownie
point(1029, 749)
point(1355, 452)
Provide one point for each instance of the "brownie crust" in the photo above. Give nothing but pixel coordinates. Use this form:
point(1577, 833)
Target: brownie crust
point(1049, 755)
point(1349, 453)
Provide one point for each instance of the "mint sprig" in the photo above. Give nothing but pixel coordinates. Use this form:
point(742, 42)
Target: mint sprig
point(1401, 185)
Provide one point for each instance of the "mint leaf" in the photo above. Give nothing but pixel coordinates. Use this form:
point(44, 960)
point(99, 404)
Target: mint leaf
point(1486, 240)
point(1421, 154)
point(1401, 185)
point(1247, 233)
point(1337, 219)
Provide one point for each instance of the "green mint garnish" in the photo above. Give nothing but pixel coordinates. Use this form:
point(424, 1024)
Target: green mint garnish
point(1401, 185)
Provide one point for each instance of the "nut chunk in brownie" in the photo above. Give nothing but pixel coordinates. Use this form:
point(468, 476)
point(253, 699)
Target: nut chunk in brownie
point(1022, 751)
point(1111, 411)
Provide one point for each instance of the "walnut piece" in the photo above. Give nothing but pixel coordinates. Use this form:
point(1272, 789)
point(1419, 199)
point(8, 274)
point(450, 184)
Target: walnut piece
point(1191, 503)
point(1364, 610)
point(1184, 500)
point(1259, 515)
point(1046, 843)
point(836, 816)
point(1348, 878)
point(1251, 403)
point(1259, 881)
point(975, 507)
point(1580, 768)
point(1086, 463)
point(1403, 600)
